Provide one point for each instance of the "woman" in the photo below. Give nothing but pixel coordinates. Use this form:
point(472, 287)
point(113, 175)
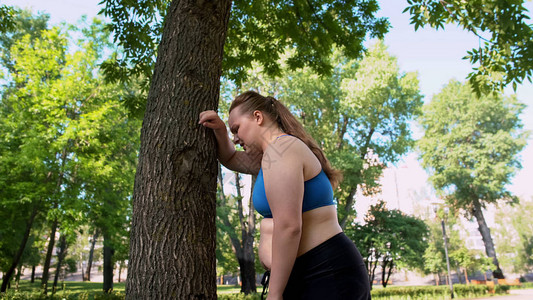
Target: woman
point(301, 242)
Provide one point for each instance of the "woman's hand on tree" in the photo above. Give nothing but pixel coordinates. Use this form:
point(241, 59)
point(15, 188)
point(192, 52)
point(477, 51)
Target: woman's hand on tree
point(210, 119)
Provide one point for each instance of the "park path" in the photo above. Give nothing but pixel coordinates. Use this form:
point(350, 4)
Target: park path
point(519, 294)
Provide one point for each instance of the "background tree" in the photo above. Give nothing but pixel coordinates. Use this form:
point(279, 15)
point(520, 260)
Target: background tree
point(31, 129)
point(434, 256)
point(514, 236)
point(505, 34)
point(470, 261)
point(240, 218)
point(63, 129)
point(462, 259)
point(470, 148)
point(390, 238)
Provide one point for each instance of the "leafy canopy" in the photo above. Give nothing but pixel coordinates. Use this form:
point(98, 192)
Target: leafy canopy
point(471, 144)
point(259, 31)
point(505, 53)
point(391, 236)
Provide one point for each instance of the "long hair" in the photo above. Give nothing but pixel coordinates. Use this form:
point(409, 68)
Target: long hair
point(251, 101)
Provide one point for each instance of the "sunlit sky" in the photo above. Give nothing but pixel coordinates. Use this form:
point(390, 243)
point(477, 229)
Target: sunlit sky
point(435, 55)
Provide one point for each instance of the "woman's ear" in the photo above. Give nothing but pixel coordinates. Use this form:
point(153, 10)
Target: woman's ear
point(258, 117)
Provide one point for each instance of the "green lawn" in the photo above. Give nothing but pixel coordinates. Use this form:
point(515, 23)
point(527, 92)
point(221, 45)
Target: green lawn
point(83, 290)
point(66, 290)
point(228, 289)
point(93, 290)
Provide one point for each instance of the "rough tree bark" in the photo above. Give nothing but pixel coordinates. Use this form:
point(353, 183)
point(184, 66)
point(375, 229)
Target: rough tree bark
point(487, 238)
point(172, 245)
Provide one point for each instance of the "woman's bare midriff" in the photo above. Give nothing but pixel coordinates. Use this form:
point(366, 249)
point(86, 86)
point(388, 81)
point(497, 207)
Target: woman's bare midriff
point(318, 225)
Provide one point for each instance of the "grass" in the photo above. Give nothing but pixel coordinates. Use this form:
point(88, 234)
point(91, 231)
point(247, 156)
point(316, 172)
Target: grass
point(93, 291)
point(228, 289)
point(73, 286)
point(65, 290)
point(82, 290)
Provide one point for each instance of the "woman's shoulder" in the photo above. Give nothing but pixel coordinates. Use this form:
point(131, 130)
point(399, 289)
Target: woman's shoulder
point(286, 147)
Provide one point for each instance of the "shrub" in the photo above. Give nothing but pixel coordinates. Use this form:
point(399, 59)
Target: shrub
point(429, 292)
point(501, 289)
point(471, 290)
point(413, 292)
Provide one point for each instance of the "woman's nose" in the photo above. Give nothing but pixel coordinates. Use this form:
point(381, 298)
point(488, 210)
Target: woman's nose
point(235, 139)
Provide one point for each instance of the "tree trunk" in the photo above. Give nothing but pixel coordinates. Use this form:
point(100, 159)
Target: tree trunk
point(247, 259)
point(173, 232)
point(372, 270)
point(17, 278)
point(466, 276)
point(385, 275)
point(458, 272)
point(60, 259)
point(247, 268)
point(7, 275)
point(109, 251)
point(249, 254)
point(487, 238)
point(33, 273)
point(120, 267)
point(348, 208)
point(50, 250)
point(244, 252)
point(391, 267)
point(87, 275)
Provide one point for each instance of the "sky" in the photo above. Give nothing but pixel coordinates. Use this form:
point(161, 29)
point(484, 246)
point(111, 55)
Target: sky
point(435, 55)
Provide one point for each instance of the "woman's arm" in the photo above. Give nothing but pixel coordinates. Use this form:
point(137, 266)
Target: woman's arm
point(284, 186)
point(227, 154)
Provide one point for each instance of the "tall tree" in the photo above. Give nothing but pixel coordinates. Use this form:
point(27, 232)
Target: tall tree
point(470, 147)
point(28, 125)
point(390, 238)
point(172, 246)
point(24, 179)
point(66, 135)
point(174, 195)
point(505, 33)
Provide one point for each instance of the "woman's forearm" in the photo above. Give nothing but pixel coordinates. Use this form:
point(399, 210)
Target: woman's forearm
point(285, 242)
point(226, 149)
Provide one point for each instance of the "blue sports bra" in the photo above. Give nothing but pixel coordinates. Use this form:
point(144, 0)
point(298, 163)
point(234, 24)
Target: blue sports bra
point(317, 193)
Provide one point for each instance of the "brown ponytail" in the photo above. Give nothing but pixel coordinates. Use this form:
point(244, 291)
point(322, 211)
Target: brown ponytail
point(251, 101)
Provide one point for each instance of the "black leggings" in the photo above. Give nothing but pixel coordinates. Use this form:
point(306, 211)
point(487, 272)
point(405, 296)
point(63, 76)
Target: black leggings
point(331, 270)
